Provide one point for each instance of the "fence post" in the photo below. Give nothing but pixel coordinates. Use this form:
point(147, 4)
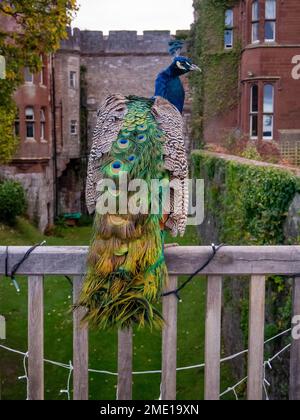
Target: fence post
point(169, 343)
point(256, 337)
point(80, 347)
point(213, 337)
point(35, 338)
point(124, 365)
point(295, 349)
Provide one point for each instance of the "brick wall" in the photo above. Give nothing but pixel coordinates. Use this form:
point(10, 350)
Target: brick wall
point(276, 62)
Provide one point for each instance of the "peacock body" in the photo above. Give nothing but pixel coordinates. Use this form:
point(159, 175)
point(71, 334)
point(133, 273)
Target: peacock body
point(141, 139)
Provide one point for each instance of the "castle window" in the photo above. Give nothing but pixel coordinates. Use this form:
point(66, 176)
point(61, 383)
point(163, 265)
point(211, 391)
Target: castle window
point(254, 112)
point(43, 124)
point(228, 34)
point(268, 112)
point(28, 76)
point(73, 75)
point(270, 20)
point(255, 22)
point(73, 127)
point(30, 128)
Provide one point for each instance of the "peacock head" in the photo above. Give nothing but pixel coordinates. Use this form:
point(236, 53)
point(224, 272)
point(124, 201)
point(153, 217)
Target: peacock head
point(182, 65)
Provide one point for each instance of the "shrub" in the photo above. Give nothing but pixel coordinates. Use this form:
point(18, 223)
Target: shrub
point(12, 201)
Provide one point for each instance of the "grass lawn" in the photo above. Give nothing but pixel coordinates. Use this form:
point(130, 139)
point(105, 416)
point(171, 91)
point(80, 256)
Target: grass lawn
point(103, 345)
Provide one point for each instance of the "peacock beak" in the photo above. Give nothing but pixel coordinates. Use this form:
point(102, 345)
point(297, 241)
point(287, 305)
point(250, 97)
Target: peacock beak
point(195, 68)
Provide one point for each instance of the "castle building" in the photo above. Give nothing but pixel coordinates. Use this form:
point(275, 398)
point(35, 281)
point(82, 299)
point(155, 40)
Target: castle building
point(268, 107)
point(88, 67)
point(58, 107)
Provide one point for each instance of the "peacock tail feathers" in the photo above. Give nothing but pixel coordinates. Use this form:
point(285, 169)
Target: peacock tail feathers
point(126, 265)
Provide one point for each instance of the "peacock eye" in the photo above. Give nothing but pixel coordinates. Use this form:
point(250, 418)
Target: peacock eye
point(123, 143)
point(116, 167)
point(180, 66)
point(132, 158)
point(141, 138)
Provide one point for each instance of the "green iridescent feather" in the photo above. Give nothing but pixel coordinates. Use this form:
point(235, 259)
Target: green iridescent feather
point(127, 271)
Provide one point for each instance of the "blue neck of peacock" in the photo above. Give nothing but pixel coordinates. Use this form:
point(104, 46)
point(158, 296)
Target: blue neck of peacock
point(168, 85)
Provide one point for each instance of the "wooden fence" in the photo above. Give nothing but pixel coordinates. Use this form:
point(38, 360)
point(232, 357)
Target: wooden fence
point(257, 262)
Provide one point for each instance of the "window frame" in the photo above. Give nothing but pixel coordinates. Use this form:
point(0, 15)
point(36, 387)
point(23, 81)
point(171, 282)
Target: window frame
point(73, 124)
point(43, 123)
point(267, 113)
point(73, 79)
point(270, 20)
point(30, 121)
point(229, 29)
point(254, 113)
point(255, 22)
point(27, 72)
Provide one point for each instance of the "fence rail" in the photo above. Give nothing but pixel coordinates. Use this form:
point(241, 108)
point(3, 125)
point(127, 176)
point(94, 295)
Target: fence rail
point(256, 262)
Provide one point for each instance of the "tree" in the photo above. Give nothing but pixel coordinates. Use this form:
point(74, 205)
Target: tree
point(28, 28)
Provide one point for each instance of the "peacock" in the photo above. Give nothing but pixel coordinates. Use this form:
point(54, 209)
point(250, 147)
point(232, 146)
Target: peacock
point(135, 138)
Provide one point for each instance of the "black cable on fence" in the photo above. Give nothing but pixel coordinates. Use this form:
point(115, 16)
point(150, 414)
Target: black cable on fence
point(215, 249)
point(18, 264)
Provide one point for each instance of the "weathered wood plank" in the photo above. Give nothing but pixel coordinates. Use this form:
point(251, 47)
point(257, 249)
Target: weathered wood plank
point(295, 349)
point(36, 338)
point(169, 343)
point(124, 365)
point(247, 260)
point(213, 337)
point(256, 337)
point(80, 347)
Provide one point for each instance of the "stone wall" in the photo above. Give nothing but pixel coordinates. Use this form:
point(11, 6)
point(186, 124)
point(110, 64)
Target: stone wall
point(39, 191)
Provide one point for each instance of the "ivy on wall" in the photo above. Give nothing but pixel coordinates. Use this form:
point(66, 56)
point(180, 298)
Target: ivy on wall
point(248, 205)
point(251, 201)
point(217, 89)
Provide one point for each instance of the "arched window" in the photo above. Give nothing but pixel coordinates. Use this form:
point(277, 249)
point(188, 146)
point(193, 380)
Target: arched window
point(255, 21)
point(270, 21)
point(228, 34)
point(30, 123)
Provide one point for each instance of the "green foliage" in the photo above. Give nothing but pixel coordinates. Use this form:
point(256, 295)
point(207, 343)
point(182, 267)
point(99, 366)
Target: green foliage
point(8, 141)
point(216, 89)
point(29, 28)
point(253, 204)
point(85, 220)
point(12, 201)
point(250, 204)
point(251, 152)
